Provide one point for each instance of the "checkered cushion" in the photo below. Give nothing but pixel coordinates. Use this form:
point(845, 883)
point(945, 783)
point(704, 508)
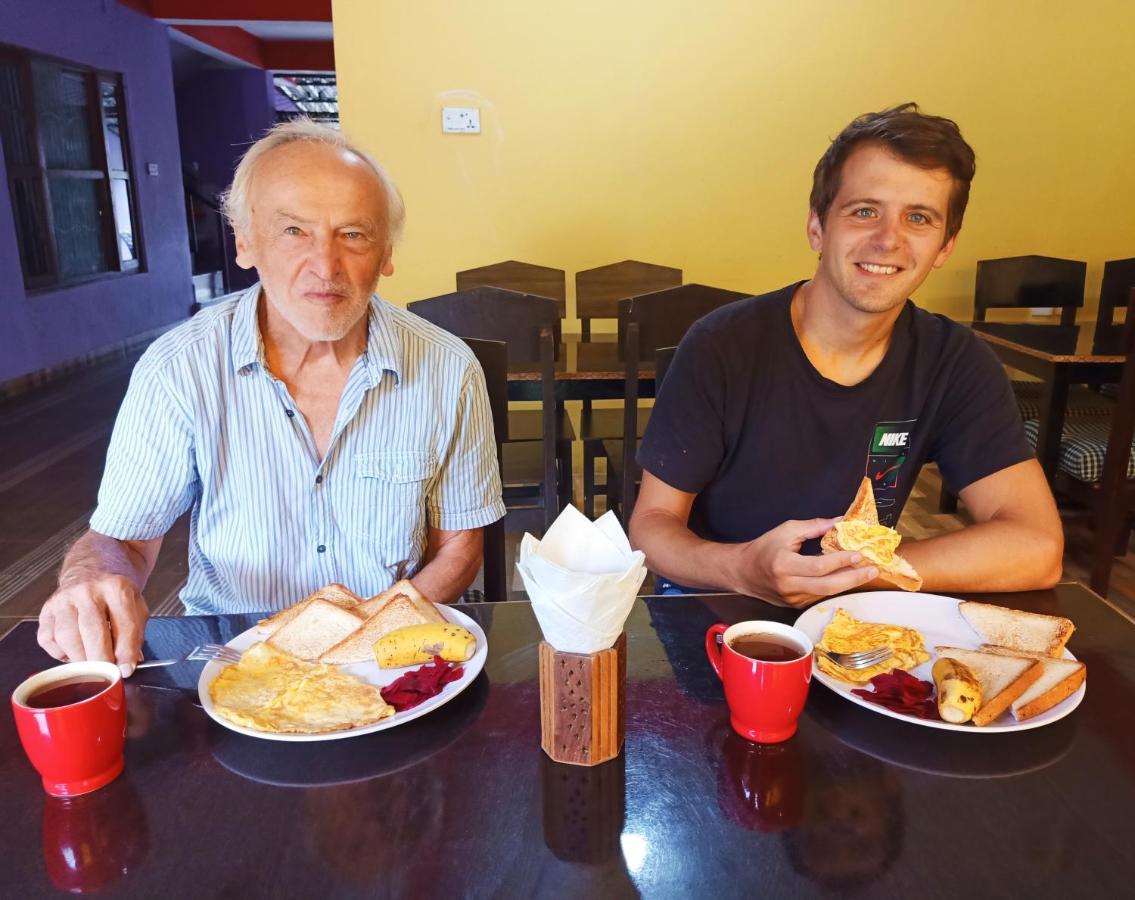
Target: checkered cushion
point(1082, 447)
point(1082, 402)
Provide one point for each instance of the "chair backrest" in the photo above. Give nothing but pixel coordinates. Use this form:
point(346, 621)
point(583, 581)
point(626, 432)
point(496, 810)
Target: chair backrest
point(665, 316)
point(495, 314)
point(1117, 456)
point(1023, 282)
point(529, 327)
point(493, 357)
point(522, 277)
point(647, 324)
point(1118, 280)
point(598, 291)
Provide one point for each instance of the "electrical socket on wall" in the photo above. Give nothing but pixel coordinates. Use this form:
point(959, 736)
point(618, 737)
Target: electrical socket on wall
point(460, 120)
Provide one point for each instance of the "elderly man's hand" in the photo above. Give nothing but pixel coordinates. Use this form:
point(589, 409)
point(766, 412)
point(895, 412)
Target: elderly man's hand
point(771, 567)
point(100, 619)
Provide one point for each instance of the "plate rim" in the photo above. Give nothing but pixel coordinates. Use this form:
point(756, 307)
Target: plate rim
point(473, 667)
point(1063, 708)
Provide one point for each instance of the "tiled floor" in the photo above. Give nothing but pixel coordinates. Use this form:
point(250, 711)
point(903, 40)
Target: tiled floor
point(52, 445)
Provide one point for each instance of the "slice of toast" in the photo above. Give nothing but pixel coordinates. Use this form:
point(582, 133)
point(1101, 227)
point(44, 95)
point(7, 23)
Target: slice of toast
point(1016, 629)
point(899, 572)
point(1002, 678)
point(407, 590)
point(358, 646)
point(338, 594)
point(1060, 680)
point(318, 627)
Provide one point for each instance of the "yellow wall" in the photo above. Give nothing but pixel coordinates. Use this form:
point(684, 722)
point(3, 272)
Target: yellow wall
point(685, 133)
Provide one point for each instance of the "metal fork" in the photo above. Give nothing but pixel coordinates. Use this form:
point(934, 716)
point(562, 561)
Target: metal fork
point(206, 652)
point(861, 659)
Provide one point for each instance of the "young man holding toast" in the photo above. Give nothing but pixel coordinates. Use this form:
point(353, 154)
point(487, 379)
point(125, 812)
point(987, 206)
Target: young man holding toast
point(777, 407)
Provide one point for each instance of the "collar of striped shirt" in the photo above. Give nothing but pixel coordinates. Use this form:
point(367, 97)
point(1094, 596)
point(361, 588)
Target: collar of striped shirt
point(383, 353)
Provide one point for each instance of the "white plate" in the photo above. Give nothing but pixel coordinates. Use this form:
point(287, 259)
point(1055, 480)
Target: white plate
point(368, 672)
point(940, 623)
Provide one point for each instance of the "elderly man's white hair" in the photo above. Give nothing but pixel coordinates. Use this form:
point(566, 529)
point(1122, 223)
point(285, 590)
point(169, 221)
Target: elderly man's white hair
point(236, 203)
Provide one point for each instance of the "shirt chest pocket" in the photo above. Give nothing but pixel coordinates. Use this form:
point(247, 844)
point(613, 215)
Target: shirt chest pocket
point(394, 487)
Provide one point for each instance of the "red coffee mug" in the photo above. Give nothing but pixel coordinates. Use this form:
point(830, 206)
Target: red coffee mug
point(765, 698)
point(76, 748)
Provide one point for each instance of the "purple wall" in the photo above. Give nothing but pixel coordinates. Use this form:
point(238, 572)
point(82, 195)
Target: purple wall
point(220, 112)
point(48, 328)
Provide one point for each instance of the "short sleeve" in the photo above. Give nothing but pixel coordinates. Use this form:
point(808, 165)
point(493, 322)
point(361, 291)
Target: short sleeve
point(684, 444)
point(980, 430)
point(150, 477)
point(467, 491)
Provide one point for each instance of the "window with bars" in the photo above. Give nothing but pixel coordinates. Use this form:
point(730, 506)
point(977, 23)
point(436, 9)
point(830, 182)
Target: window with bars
point(63, 132)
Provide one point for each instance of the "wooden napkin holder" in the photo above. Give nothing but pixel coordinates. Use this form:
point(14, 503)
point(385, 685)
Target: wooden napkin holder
point(582, 702)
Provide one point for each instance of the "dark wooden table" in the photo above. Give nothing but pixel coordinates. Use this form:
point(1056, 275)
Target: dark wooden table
point(586, 369)
point(1060, 356)
point(464, 803)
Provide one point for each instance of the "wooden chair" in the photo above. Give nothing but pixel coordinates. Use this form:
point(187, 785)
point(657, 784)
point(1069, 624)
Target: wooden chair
point(673, 311)
point(525, 278)
point(1024, 282)
point(1118, 280)
point(623, 472)
point(534, 471)
point(598, 291)
point(1107, 491)
point(648, 324)
point(493, 357)
point(540, 281)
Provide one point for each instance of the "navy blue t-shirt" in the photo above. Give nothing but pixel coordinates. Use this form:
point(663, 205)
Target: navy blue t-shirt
point(746, 422)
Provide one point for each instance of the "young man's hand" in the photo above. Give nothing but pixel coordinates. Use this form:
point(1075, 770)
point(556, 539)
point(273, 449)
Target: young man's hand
point(772, 568)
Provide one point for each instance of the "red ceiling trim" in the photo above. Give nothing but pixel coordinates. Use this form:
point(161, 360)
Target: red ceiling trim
point(233, 41)
point(237, 10)
point(300, 56)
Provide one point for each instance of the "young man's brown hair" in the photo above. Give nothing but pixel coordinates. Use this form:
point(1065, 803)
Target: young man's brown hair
point(929, 142)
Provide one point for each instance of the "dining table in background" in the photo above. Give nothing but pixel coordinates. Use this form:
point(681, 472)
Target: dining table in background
point(586, 369)
point(463, 802)
point(1059, 356)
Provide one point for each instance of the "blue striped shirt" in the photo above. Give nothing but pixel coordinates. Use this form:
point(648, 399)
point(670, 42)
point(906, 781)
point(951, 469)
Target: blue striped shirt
point(206, 426)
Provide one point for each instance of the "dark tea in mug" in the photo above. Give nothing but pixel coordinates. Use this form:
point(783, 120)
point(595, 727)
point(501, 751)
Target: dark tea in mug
point(766, 647)
point(65, 693)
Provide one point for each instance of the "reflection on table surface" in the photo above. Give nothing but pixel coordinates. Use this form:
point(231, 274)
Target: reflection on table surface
point(855, 802)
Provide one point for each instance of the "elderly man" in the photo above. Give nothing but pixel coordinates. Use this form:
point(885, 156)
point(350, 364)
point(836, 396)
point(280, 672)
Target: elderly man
point(777, 406)
point(317, 433)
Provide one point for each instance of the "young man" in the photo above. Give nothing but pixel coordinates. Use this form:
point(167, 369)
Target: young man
point(776, 406)
point(317, 433)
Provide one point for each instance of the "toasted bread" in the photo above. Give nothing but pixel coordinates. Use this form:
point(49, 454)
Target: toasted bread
point(1002, 678)
point(398, 612)
point(898, 571)
point(406, 589)
point(1018, 630)
point(338, 594)
point(1061, 679)
point(318, 627)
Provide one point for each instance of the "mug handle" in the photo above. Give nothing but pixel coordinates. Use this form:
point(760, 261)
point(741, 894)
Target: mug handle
point(712, 650)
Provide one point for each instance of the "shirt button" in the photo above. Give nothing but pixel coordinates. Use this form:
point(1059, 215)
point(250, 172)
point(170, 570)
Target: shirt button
point(321, 548)
point(319, 479)
point(291, 413)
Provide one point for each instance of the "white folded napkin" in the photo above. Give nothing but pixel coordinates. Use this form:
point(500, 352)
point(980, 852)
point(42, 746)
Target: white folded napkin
point(582, 579)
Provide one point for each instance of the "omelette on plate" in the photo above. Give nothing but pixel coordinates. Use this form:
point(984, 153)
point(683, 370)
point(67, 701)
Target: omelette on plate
point(846, 634)
point(269, 690)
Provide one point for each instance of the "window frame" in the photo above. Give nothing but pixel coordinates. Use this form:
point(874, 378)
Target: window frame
point(41, 174)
